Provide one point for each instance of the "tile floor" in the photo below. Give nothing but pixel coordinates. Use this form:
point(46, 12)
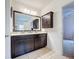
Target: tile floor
point(43, 53)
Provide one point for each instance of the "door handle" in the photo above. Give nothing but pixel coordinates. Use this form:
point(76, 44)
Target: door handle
point(6, 35)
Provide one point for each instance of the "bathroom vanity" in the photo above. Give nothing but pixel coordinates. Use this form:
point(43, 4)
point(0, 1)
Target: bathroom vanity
point(27, 35)
point(25, 43)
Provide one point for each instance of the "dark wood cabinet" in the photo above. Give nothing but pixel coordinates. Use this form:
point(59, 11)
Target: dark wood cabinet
point(23, 44)
point(47, 20)
point(40, 41)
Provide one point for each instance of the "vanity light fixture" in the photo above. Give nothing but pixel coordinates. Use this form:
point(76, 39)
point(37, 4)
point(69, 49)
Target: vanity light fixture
point(33, 12)
point(26, 11)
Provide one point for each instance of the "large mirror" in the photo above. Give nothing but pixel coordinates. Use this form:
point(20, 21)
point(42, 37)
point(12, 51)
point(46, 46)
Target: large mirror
point(25, 22)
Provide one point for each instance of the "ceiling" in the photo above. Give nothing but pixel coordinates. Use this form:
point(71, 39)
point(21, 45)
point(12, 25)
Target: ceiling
point(39, 4)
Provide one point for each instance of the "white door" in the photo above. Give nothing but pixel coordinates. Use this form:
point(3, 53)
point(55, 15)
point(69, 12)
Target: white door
point(7, 30)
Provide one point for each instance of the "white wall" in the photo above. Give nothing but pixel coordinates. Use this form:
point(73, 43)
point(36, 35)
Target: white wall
point(20, 7)
point(55, 35)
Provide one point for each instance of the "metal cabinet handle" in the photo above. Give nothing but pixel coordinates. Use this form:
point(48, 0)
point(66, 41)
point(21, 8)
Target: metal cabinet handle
point(6, 35)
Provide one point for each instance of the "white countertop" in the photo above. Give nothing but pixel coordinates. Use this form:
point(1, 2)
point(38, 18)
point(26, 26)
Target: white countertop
point(26, 33)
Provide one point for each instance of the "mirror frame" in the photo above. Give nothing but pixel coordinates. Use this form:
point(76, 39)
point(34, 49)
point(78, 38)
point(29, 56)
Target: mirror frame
point(14, 30)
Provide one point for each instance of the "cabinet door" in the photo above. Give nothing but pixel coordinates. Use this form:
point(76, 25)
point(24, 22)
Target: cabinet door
point(37, 41)
point(21, 45)
point(17, 46)
point(47, 20)
point(43, 38)
point(29, 43)
point(40, 41)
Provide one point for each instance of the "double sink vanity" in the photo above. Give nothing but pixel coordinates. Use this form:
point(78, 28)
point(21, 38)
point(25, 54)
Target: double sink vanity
point(22, 43)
